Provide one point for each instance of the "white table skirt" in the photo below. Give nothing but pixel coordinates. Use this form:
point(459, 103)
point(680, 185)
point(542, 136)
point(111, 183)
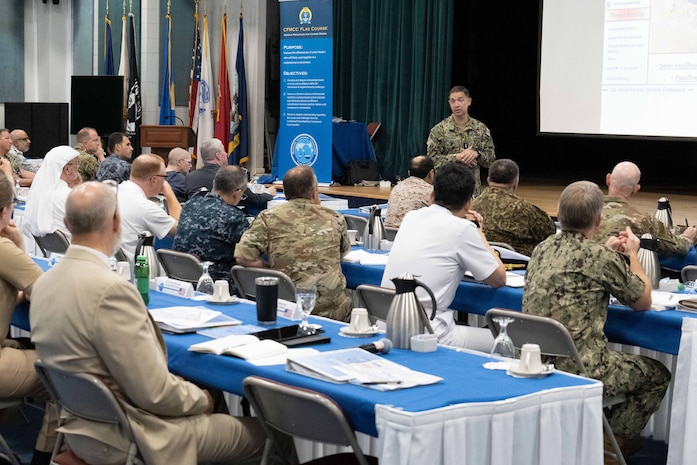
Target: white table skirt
point(558, 426)
point(682, 447)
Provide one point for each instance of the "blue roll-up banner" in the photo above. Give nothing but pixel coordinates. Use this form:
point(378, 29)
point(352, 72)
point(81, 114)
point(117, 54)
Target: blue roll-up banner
point(305, 128)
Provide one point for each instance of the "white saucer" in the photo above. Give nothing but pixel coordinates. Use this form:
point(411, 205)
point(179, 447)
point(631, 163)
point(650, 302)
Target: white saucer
point(513, 371)
point(231, 300)
point(346, 332)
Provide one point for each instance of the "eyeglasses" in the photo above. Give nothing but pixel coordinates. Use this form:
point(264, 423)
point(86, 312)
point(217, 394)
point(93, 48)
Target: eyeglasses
point(160, 175)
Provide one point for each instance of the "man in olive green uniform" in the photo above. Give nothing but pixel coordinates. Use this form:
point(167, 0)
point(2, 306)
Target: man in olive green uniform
point(304, 240)
point(570, 278)
point(507, 217)
point(89, 145)
point(461, 138)
point(618, 213)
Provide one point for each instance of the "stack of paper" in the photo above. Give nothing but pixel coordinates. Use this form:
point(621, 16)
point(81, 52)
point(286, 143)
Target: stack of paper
point(358, 366)
point(189, 319)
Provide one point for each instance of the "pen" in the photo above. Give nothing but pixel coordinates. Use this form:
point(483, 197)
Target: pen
point(686, 223)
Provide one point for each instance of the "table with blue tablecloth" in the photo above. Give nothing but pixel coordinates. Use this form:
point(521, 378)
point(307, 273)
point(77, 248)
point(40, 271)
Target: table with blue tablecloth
point(473, 416)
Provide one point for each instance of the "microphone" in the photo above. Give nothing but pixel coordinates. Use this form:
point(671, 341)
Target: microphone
point(382, 346)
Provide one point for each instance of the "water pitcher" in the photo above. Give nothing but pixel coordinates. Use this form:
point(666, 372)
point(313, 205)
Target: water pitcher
point(146, 246)
point(374, 231)
point(664, 214)
point(406, 316)
point(648, 257)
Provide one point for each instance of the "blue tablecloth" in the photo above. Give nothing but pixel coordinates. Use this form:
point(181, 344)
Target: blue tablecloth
point(457, 368)
point(652, 330)
point(350, 141)
point(678, 263)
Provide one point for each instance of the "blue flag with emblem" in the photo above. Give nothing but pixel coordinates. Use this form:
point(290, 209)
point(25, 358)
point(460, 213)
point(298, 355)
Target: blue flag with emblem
point(167, 100)
point(238, 148)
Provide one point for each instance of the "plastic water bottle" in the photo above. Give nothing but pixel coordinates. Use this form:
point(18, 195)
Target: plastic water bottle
point(142, 274)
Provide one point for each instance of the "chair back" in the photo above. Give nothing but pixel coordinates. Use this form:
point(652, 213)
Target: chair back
point(390, 233)
point(180, 265)
point(86, 396)
point(376, 300)
point(688, 273)
point(305, 414)
point(55, 242)
point(552, 336)
point(358, 223)
point(244, 277)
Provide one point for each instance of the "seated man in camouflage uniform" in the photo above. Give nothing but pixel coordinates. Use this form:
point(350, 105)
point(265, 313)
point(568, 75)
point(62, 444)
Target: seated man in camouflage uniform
point(461, 138)
point(618, 213)
point(412, 193)
point(89, 145)
point(304, 240)
point(117, 166)
point(20, 174)
point(508, 218)
point(570, 278)
point(211, 225)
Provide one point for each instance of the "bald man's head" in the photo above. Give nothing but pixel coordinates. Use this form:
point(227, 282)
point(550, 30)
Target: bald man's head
point(624, 179)
point(179, 160)
point(90, 208)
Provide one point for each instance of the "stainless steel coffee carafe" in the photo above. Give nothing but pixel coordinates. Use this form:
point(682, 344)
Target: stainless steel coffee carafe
point(407, 317)
point(664, 214)
point(648, 257)
point(374, 231)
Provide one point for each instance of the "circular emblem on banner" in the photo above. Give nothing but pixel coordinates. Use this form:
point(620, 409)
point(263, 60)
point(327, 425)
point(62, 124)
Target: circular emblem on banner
point(305, 16)
point(303, 150)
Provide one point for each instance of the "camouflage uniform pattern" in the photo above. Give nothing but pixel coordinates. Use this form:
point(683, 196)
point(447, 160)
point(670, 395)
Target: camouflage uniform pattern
point(570, 278)
point(24, 163)
point(618, 214)
point(15, 163)
point(411, 194)
point(114, 168)
point(446, 140)
point(88, 165)
point(306, 242)
point(209, 228)
point(510, 219)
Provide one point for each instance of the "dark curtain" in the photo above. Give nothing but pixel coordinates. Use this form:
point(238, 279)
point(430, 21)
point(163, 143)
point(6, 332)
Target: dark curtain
point(392, 63)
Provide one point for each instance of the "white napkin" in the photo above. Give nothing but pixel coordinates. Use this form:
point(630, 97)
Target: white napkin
point(366, 258)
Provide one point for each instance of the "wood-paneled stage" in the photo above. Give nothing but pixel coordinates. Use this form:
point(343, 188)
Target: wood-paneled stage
point(545, 196)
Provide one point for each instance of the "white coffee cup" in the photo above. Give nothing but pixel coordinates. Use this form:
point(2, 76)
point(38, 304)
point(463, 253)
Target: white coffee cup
point(360, 322)
point(352, 235)
point(221, 290)
point(530, 359)
point(385, 245)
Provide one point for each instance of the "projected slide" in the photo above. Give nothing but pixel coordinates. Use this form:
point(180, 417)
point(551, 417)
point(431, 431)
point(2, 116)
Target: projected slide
point(636, 73)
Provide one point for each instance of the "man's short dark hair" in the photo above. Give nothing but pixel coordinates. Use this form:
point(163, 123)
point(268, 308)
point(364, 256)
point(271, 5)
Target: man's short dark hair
point(453, 186)
point(299, 182)
point(115, 138)
point(420, 166)
point(503, 171)
point(229, 178)
point(463, 89)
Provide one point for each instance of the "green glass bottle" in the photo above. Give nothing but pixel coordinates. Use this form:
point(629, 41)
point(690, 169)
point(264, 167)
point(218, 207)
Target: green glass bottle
point(142, 275)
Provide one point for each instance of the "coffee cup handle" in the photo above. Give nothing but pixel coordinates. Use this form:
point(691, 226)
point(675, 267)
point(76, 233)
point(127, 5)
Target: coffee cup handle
point(526, 362)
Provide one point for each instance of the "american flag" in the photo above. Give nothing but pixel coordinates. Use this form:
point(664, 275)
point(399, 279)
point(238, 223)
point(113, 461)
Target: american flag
point(195, 76)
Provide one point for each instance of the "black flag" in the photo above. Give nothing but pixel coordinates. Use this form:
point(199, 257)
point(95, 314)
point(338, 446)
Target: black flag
point(135, 110)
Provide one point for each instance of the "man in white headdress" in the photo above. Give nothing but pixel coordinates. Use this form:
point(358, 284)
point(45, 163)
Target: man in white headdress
point(46, 202)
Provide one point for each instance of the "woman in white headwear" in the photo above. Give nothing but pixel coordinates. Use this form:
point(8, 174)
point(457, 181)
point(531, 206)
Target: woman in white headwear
point(46, 201)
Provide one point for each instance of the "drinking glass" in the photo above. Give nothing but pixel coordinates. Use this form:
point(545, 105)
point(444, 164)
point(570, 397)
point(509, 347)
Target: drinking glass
point(306, 296)
point(503, 346)
point(205, 282)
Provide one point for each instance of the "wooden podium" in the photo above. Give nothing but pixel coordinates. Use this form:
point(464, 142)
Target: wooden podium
point(162, 139)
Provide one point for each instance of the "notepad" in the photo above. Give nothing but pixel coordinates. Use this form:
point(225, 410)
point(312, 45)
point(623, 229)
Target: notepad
point(245, 346)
